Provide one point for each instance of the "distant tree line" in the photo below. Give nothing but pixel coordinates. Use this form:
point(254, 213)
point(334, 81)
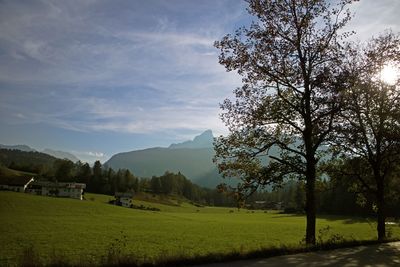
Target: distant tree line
point(337, 194)
point(104, 180)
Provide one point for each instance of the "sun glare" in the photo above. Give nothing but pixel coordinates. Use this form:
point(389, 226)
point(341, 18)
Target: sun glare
point(389, 74)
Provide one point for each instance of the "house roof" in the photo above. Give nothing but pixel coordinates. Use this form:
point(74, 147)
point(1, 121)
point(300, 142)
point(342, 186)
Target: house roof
point(15, 181)
point(123, 194)
point(59, 185)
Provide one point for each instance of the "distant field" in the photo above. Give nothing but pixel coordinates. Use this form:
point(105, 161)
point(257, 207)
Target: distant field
point(86, 230)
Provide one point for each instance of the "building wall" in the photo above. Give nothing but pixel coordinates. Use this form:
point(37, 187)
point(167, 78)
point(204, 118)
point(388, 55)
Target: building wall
point(16, 188)
point(70, 192)
point(60, 191)
point(125, 202)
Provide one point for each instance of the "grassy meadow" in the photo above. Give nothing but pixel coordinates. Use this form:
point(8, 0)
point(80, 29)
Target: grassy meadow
point(85, 231)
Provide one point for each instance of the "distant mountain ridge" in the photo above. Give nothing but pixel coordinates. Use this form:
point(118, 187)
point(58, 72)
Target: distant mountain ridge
point(192, 158)
point(60, 154)
point(55, 153)
point(204, 140)
point(18, 147)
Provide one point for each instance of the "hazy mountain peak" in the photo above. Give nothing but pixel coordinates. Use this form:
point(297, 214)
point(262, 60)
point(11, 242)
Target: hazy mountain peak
point(61, 154)
point(204, 140)
point(18, 147)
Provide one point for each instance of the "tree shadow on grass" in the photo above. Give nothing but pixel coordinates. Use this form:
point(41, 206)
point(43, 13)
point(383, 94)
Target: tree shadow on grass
point(346, 219)
point(343, 218)
point(288, 215)
point(373, 255)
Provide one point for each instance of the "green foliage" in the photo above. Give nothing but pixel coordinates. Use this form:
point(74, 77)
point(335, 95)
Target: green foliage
point(367, 134)
point(290, 59)
point(63, 170)
point(325, 236)
point(101, 179)
point(34, 162)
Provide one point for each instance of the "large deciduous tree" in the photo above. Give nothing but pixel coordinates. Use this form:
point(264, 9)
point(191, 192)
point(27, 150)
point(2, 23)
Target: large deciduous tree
point(369, 128)
point(290, 61)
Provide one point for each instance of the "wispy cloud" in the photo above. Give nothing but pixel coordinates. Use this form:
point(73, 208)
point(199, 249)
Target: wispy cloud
point(373, 17)
point(80, 75)
point(89, 153)
point(127, 66)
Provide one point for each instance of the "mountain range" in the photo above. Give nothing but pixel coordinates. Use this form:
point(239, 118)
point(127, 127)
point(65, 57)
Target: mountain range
point(18, 147)
point(60, 154)
point(192, 158)
point(55, 153)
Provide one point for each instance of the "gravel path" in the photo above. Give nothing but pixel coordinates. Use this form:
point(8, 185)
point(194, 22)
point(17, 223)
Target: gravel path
point(374, 255)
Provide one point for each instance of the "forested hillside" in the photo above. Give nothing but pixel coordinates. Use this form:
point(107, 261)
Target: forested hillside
point(191, 158)
point(30, 161)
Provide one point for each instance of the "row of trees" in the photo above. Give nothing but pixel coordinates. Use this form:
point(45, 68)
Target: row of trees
point(333, 195)
point(308, 93)
point(104, 180)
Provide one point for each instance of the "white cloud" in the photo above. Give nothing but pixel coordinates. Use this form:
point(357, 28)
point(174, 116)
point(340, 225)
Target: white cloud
point(372, 17)
point(89, 153)
point(77, 66)
point(90, 156)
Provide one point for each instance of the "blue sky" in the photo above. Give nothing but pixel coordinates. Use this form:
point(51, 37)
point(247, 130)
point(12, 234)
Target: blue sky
point(99, 77)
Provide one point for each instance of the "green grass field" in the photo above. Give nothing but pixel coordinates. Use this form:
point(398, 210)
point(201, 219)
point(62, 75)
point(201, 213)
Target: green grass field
point(84, 231)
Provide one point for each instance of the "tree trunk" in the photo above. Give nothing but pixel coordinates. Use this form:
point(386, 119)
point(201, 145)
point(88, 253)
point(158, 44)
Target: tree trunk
point(381, 210)
point(310, 204)
point(310, 173)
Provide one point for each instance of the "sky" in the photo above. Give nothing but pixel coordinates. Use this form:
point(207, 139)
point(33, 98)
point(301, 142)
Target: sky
point(96, 77)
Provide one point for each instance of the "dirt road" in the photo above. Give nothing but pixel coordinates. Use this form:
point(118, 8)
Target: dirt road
point(381, 255)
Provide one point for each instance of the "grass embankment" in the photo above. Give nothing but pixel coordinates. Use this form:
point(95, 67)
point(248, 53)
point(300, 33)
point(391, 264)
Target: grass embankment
point(10, 173)
point(94, 232)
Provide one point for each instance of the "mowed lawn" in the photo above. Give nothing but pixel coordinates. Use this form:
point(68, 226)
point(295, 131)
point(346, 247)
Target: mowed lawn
point(86, 230)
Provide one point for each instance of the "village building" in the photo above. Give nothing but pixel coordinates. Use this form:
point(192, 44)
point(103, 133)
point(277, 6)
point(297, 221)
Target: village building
point(57, 189)
point(123, 199)
point(17, 184)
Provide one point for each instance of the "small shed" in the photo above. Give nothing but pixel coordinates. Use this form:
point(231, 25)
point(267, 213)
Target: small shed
point(123, 199)
point(17, 184)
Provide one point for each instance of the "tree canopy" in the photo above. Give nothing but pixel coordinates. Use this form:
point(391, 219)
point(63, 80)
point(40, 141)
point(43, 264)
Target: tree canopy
point(368, 129)
point(290, 59)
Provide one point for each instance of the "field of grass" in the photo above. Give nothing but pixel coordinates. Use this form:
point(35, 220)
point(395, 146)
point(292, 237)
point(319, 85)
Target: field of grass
point(87, 230)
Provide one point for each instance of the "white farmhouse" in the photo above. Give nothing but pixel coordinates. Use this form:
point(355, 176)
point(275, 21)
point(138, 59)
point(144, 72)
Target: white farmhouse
point(57, 189)
point(123, 199)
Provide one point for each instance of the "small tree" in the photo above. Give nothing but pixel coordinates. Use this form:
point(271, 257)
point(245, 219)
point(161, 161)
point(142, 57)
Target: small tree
point(63, 170)
point(369, 128)
point(290, 62)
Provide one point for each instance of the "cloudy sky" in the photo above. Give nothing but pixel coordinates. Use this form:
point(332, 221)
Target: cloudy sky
point(99, 77)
